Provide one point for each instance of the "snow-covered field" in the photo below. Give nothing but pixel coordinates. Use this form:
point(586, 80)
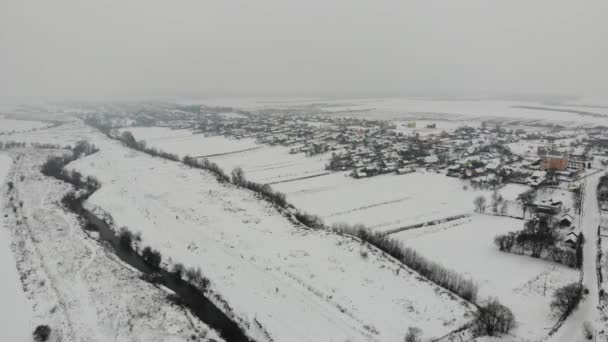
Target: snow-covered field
point(262, 163)
point(299, 284)
point(16, 318)
point(11, 125)
point(388, 201)
point(183, 142)
point(522, 283)
point(432, 108)
point(383, 202)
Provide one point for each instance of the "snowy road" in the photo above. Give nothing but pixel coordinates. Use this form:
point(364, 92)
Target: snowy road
point(16, 314)
point(571, 331)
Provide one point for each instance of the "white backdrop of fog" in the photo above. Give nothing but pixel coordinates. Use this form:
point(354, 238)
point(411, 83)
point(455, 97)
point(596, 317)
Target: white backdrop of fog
point(82, 49)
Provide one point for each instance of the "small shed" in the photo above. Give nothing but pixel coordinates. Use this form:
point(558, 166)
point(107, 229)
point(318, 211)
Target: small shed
point(566, 220)
point(571, 239)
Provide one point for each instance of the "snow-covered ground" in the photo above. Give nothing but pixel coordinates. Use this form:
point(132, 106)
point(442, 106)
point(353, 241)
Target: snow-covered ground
point(430, 108)
point(522, 283)
point(299, 284)
point(77, 287)
point(184, 142)
point(11, 125)
point(262, 163)
point(440, 126)
point(388, 201)
point(16, 318)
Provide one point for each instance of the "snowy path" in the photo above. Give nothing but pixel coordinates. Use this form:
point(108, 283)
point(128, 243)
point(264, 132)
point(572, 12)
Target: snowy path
point(16, 314)
point(571, 331)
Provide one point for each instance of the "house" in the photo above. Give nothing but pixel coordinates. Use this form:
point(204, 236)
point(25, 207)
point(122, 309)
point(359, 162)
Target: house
point(405, 170)
point(571, 239)
point(566, 220)
point(454, 171)
point(360, 174)
point(554, 160)
point(548, 206)
point(431, 159)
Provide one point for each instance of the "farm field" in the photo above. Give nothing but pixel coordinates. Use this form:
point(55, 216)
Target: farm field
point(394, 108)
point(522, 283)
point(14, 126)
point(255, 258)
point(262, 163)
point(388, 201)
point(382, 202)
point(184, 142)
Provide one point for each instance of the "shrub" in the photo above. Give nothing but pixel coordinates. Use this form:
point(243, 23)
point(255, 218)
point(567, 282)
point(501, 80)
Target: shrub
point(42, 333)
point(129, 140)
point(152, 257)
point(84, 148)
point(413, 335)
point(566, 298)
point(238, 176)
point(588, 330)
point(309, 220)
point(178, 269)
point(125, 238)
point(196, 277)
point(494, 318)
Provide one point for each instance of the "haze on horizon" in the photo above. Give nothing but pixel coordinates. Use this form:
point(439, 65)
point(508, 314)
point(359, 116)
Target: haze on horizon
point(75, 50)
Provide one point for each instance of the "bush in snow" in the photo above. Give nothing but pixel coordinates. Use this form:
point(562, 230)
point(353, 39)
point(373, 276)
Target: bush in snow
point(588, 330)
point(413, 335)
point(493, 318)
point(566, 298)
point(238, 176)
point(152, 257)
point(309, 220)
point(42, 333)
point(125, 238)
point(178, 269)
point(195, 276)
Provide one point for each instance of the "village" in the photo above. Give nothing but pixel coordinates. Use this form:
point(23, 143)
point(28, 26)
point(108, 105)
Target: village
point(486, 154)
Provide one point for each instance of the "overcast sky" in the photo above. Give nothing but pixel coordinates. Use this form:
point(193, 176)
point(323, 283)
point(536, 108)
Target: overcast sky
point(79, 49)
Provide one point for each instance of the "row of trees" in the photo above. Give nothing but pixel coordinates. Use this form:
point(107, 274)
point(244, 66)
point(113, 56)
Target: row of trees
point(128, 241)
point(237, 176)
point(20, 144)
point(498, 204)
point(437, 273)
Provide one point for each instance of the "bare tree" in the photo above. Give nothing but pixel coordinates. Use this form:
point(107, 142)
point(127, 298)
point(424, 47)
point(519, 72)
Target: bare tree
point(565, 299)
point(480, 203)
point(238, 176)
point(494, 318)
point(413, 335)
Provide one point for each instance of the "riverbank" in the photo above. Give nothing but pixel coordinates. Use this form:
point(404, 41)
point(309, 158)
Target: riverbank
point(80, 289)
point(16, 311)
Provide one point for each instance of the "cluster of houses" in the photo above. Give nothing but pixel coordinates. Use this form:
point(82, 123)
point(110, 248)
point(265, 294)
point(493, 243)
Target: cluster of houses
point(369, 148)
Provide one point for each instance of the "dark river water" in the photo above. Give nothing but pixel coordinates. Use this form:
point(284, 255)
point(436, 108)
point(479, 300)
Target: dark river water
point(187, 294)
